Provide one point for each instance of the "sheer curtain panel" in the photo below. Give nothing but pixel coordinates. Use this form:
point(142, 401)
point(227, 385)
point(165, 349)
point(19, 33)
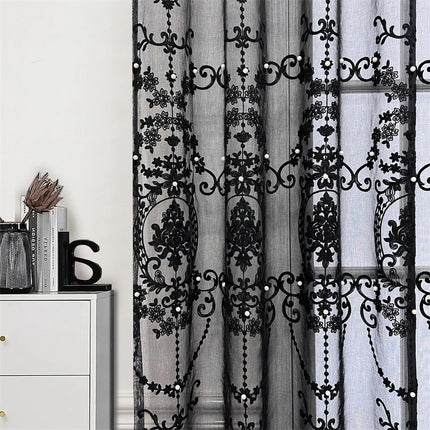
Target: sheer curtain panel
point(281, 203)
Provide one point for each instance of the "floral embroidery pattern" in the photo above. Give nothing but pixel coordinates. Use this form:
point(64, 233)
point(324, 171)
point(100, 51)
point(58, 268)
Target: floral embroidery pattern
point(243, 235)
point(322, 233)
point(172, 238)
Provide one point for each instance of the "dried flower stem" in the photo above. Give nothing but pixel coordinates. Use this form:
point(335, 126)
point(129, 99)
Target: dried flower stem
point(27, 216)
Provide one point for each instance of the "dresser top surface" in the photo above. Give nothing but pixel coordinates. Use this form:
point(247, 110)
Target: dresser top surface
point(61, 295)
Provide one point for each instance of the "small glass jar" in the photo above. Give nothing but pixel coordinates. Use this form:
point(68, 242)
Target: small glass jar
point(15, 259)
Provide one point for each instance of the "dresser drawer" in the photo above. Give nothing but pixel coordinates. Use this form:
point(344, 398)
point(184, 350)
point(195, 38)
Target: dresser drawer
point(44, 402)
point(45, 337)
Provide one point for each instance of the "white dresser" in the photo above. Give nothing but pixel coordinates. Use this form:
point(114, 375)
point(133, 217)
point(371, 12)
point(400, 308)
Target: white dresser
point(56, 361)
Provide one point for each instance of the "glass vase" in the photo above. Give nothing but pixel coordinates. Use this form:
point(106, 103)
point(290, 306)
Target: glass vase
point(15, 259)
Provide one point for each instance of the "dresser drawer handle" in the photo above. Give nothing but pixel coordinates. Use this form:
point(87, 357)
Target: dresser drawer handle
point(2, 414)
point(2, 338)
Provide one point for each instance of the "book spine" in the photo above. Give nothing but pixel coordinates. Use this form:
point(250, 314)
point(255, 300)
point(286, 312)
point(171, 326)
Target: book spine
point(32, 228)
point(45, 242)
point(39, 252)
point(63, 243)
point(23, 209)
point(58, 223)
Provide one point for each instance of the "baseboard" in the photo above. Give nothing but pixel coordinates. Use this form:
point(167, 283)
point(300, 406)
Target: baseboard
point(124, 417)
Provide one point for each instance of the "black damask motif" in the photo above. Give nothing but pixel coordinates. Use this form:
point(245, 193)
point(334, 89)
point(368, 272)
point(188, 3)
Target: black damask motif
point(172, 239)
point(244, 236)
point(399, 237)
point(322, 231)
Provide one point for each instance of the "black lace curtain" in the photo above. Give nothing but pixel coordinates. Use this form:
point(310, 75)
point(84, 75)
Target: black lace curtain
point(281, 200)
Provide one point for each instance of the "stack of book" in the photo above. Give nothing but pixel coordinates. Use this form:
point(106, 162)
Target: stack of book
point(48, 241)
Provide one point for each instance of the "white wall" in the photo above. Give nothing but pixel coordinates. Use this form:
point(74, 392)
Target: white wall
point(66, 108)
